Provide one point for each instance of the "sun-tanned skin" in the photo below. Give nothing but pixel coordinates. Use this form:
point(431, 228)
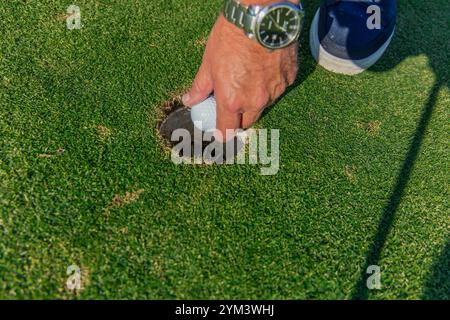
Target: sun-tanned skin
point(244, 76)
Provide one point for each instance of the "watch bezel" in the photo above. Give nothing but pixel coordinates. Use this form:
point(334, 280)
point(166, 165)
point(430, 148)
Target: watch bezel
point(263, 13)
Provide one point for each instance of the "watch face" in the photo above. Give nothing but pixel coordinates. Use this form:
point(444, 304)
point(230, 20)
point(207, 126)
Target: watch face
point(279, 26)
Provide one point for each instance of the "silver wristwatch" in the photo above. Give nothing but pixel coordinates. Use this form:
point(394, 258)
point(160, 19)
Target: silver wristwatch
point(274, 26)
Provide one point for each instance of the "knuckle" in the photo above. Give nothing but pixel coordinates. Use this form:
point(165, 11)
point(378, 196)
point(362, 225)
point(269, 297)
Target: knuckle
point(278, 86)
point(261, 100)
point(201, 81)
point(279, 89)
point(292, 76)
point(233, 106)
point(200, 84)
point(250, 118)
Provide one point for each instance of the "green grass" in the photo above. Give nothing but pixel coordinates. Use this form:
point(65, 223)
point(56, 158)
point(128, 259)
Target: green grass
point(355, 151)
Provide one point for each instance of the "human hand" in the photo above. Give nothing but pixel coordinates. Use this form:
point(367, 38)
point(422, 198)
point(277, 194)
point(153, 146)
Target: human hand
point(244, 76)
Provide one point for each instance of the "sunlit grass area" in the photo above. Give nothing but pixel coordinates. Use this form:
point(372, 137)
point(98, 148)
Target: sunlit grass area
point(363, 176)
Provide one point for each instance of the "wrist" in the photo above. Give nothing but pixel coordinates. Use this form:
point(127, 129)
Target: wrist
point(273, 24)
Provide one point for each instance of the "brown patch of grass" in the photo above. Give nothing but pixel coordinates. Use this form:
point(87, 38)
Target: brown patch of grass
point(373, 127)
point(6, 81)
point(120, 201)
point(129, 197)
point(103, 132)
point(45, 155)
point(158, 267)
point(62, 17)
point(350, 172)
point(51, 155)
point(201, 42)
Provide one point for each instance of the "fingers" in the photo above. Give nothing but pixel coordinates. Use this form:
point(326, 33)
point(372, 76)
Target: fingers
point(277, 88)
point(261, 100)
point(250, 117)
point(202, 87)
point(290, 68)
point(227, 116)
point(292, 76)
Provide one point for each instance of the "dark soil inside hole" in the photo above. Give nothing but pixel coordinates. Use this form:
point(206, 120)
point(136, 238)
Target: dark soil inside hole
point(177, 116)
point(167, 108)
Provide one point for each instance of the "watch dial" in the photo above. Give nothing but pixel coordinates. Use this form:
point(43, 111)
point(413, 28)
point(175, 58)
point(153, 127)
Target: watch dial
point(279, 27)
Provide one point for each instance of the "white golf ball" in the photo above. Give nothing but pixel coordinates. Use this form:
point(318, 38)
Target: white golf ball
point(203, 115)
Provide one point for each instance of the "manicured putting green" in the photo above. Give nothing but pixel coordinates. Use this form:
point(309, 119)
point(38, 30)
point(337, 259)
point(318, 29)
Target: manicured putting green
point(363, 176)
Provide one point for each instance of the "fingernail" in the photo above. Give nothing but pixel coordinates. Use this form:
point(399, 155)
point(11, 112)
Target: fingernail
point(186, 98)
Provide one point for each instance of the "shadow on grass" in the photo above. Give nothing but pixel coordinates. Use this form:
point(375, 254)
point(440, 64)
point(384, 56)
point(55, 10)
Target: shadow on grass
point(373, 256)
point(417, 34)
point(437, 286)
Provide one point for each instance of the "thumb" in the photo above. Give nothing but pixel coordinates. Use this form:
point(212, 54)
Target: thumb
point(202, 87)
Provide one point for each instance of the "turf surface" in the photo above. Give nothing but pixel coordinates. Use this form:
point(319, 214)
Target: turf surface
point(363, 175)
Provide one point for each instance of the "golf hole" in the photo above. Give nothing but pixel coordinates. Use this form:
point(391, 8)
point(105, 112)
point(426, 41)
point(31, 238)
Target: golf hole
point(177, 116)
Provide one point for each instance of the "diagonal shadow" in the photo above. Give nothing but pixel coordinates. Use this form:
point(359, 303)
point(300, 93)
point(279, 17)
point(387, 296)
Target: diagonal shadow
point(360, 290)
point(437, 286)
